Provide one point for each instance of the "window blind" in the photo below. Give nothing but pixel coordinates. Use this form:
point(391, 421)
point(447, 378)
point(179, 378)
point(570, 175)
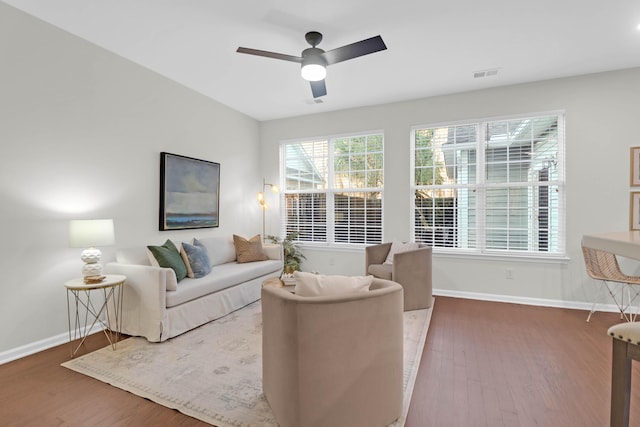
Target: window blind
point(494, 186)
point(333, 189)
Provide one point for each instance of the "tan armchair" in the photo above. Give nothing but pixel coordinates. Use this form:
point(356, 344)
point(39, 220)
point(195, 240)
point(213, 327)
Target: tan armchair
point(333, 360)
point(411, 269)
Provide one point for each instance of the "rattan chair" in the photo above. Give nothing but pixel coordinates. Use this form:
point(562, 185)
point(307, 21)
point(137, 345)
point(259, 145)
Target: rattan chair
point(625, 290)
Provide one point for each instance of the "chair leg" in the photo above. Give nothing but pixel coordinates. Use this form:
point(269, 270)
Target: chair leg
point(620, 384)
point(593, 310)
point(620, 292)
point(595, 301)
point(617, 288)
point(632, 295)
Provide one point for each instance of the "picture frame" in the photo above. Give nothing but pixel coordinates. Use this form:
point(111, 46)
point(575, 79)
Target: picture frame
point(635, 167)
point(189, 192)
point(634, 210)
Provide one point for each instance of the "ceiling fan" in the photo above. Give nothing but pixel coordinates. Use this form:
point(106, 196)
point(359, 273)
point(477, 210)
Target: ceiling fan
point(315, 60)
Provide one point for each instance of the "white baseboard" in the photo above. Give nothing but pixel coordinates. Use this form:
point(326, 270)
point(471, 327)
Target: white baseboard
point(35, 347)
point(612, 308)
point(38, 346)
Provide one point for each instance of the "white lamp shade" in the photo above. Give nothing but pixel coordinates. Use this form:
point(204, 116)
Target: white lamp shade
point(85, 233)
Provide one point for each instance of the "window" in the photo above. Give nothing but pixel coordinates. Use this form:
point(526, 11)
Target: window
point(333, 189)
point(493, 186)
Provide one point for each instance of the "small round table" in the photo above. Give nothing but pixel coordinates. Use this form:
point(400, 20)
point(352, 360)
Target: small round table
point(110, 306)
point(273, 281)
point(279, 283)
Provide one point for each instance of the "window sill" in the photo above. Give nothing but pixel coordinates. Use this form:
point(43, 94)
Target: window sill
point(325, 247)
point(440, 253)
point(509, 257)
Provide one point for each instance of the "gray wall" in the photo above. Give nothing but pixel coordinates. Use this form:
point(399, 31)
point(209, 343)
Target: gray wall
point(81, 131)
point(601, 124)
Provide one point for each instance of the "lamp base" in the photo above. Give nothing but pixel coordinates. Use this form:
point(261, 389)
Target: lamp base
point(91, 255)
point(92, 269)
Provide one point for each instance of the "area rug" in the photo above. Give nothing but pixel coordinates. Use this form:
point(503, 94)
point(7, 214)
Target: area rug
point(214, 373)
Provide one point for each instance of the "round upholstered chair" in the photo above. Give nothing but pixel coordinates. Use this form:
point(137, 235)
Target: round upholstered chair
point(333, 360)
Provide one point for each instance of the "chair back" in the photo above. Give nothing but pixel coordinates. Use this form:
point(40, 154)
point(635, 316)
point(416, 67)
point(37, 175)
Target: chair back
point(602, 265)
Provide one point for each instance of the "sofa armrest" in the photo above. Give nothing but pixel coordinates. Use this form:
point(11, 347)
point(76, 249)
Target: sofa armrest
point(272, 250)
point(144, 301)
point(376, 254)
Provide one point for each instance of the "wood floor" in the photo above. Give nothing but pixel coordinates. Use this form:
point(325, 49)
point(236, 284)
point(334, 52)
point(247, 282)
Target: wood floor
point(484, 364)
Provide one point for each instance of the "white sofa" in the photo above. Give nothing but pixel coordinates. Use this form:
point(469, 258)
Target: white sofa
point(157, 307)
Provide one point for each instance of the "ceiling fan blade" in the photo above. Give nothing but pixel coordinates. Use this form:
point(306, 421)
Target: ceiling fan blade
point(354, 50)
point(318, 88)
point(267, 54)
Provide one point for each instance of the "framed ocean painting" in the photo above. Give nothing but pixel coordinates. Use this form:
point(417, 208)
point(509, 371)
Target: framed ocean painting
point(189, 192)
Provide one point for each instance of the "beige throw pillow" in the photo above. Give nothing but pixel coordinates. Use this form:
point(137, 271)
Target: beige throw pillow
point(249, 250)
point(313, 285)
point(397, 247)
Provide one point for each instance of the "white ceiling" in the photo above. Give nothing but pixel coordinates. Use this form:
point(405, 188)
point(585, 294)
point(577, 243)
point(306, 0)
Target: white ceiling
point(433, 46)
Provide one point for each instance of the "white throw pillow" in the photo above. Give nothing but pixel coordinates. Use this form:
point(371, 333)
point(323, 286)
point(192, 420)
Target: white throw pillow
point(397, 247)
point(136, 255)
point(313, 285)
point(220, 249)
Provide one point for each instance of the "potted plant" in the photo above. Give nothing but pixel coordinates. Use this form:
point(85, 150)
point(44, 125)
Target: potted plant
point(292, 253)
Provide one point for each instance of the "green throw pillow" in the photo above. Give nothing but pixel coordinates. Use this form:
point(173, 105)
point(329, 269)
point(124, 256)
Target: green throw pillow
point(168, 256)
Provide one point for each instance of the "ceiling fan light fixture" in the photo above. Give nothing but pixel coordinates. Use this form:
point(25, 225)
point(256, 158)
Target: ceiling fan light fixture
point(314, 67)
point(313, 72)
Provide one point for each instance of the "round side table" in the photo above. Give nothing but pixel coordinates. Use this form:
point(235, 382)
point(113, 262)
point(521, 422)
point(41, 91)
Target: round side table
point(106, 312)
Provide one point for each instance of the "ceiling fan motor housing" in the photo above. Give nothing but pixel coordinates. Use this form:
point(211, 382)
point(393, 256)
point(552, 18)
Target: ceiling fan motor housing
point(312, 53)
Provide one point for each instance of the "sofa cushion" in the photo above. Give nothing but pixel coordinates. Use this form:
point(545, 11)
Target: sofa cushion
point(313, 285)
point(221, 277)
point(167, 255)
point(220, 249)
point(249, 250)
point(397, 247)
point(383, 271)
point(196, 259)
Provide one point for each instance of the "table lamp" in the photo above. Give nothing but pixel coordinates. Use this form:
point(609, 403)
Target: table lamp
point(89, 233)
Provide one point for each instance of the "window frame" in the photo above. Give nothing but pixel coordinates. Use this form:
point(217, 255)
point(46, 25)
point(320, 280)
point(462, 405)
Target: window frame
point(331, 190)
point(481, 185)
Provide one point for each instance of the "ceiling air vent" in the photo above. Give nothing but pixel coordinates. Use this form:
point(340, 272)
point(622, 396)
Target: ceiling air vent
point(485, 73)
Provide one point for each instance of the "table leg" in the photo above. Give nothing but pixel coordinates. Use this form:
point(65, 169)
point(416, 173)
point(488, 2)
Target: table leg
point(81, 332)
point(114, 316)
point(620, 384)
